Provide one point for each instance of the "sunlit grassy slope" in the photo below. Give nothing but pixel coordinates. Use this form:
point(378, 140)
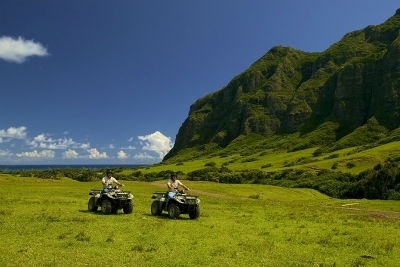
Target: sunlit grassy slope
point(352, 160)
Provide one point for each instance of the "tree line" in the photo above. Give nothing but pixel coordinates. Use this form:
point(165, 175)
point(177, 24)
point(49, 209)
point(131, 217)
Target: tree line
point(380, 182)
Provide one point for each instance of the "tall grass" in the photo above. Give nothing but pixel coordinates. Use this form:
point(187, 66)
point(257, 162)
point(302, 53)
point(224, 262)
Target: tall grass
point(46, 223)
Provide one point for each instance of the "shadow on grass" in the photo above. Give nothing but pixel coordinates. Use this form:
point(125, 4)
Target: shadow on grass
point(99, 212)
point(164, 216)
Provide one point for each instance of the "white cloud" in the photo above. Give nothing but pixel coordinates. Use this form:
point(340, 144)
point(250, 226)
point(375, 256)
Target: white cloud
point(17, 145)
point(157, 142)
point(12, 133)
point(36, 154)
point(18, 50)
point(40, 138)
point(64, 143)
point(129, 147)
point(45, 142)
point(85, 146)
point(95, 154)
point(70, 154)
point(122, 155)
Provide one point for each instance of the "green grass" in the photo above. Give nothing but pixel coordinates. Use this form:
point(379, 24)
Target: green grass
point(46, 223)
point(361, 158)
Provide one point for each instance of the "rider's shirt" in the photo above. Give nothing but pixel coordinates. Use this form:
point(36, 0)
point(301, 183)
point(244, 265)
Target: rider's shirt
point(108, 181)
point(174, 184)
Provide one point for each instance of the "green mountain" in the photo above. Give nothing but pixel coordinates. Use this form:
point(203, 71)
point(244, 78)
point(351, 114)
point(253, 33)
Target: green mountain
point(345, 96)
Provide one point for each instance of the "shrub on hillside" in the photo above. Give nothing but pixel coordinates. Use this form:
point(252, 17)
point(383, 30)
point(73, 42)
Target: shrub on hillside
point(211, 174)
point(210, 164)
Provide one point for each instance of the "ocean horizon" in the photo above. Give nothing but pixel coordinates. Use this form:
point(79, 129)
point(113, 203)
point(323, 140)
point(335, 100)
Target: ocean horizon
point(66, 166)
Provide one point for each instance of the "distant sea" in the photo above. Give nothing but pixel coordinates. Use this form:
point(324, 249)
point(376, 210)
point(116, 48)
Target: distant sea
point(72, 166)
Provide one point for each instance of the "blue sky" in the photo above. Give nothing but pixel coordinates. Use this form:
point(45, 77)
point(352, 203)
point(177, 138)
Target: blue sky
point(111, 82)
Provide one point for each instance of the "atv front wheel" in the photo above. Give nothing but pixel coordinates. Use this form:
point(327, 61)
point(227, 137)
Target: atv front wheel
point(194, 213)
point(173, 211)
point(114, 209)
point(128, 208)
point(156, 208)
point(106, 206)
point(92, 204)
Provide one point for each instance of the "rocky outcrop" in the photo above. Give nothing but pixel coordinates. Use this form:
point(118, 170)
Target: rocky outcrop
point(288, 90)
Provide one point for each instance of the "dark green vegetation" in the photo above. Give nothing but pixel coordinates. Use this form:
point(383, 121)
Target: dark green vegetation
point(380, 182)
point(352, 88)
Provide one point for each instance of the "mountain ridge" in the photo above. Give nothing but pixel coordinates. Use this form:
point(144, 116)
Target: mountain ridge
point(353, 83)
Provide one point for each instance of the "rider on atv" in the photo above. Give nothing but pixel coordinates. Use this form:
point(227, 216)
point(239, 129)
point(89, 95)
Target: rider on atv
point(173, 185)
point(108, 181)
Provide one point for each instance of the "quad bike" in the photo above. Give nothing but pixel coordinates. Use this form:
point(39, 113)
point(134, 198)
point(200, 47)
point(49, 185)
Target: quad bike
point(111, 201)
point(181, 203)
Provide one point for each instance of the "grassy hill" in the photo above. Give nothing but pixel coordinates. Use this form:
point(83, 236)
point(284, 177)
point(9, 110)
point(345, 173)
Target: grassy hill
point(363, 171)
point(358, 151)
point(246, 157)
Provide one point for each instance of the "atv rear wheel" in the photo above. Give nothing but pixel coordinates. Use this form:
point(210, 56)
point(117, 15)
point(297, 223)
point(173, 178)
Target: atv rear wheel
point(106, 206)
point(194, 213)
point(173, 211)
point(128, 208)
point(92, 204)
point(156, 208)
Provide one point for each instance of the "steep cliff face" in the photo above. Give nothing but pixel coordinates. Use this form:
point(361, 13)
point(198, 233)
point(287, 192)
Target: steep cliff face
point(367, 82)
point(288, 90)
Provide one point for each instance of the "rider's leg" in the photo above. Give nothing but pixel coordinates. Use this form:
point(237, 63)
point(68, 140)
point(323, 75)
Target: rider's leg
point(169, 195)
point(106, 190)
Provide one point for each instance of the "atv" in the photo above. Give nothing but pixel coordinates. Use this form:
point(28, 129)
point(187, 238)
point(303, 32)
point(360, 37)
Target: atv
point(179, 204)
point(111, 201)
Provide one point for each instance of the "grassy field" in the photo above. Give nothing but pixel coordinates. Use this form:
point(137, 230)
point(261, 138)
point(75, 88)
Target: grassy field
point(46, 223)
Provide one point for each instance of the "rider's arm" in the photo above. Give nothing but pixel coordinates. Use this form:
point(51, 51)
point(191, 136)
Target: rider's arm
point(118, 183)
point(184, 186)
